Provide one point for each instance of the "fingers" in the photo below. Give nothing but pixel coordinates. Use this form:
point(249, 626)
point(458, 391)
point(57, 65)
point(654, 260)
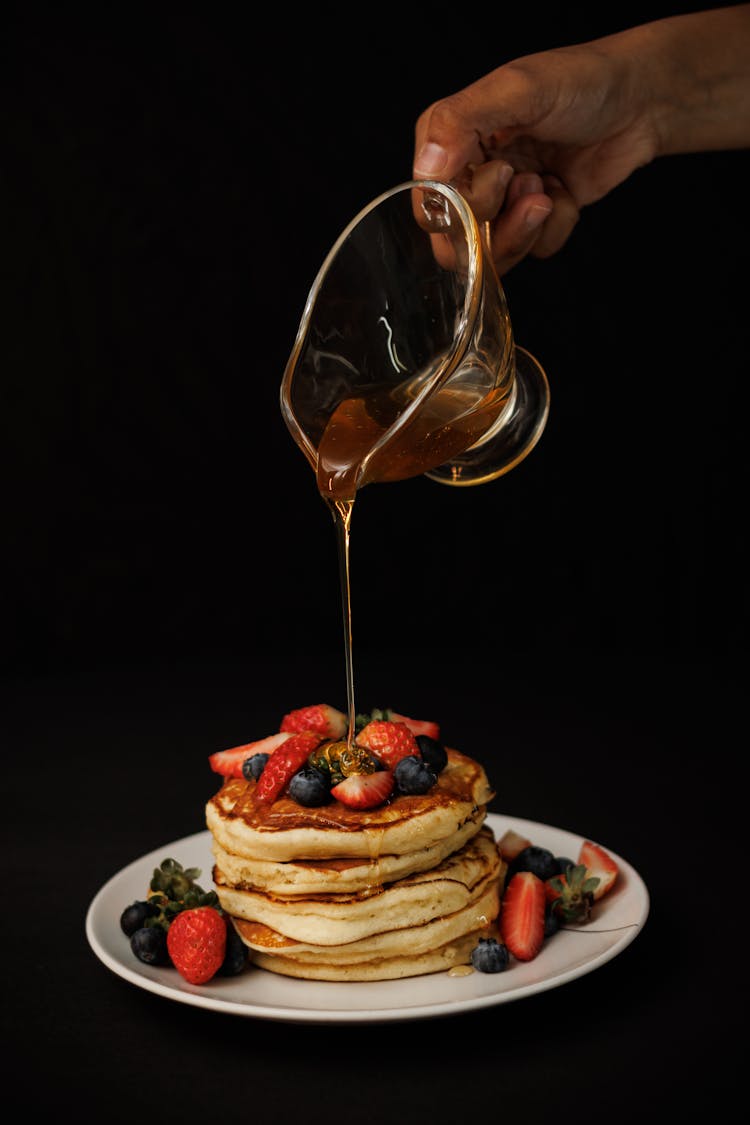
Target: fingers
point(560, 223)
point(527, 213)
point(538, 218)
point(485, 188)
point(517, 227)
point(455, 131)
point(445, 143)
point(468, 139)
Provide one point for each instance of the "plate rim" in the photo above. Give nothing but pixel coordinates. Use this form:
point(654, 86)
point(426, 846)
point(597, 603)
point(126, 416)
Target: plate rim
point(182, 992)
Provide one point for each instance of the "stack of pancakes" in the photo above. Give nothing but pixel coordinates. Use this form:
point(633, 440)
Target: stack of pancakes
point(335, 893)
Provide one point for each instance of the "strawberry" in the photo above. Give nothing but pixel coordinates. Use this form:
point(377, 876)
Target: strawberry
point(321, 718)
point(388, 741)
point(197, 943)
point(283, 763)
point(522, 915)
point(572, 893)
point(600, 865)
point(364, 790)
point(229, 762)
point(417, 726)
point(511, 844)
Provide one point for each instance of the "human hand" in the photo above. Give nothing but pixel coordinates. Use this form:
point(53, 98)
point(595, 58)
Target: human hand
point(534, 141)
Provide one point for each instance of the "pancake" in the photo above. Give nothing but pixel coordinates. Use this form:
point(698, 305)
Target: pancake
point(336, 876)
point(432, 947)
point(338, 919)
point(334, 893)
point(285, 831)
point(391, 968)
point(417, 940)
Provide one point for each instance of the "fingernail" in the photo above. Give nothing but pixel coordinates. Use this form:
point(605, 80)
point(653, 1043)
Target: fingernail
point(505, 174)
point(431, 159)
point(535, 216)
point(530, 184)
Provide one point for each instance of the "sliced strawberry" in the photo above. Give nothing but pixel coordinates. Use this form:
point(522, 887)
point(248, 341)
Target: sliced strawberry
point(388, 741)
point(321, 718)
point(522, 915)
point(282, 765)
point(229, 762)
point(511, 844)
point(364, 790)
point(600, 865)
point(417, 726)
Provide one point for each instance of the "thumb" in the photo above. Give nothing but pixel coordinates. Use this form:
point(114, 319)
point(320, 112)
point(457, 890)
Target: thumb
point(462, 129)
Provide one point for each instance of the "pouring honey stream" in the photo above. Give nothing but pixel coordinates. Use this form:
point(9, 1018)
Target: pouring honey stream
point(405, 365)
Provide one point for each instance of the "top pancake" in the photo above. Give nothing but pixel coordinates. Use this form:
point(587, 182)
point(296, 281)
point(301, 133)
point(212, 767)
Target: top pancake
point(285, 830)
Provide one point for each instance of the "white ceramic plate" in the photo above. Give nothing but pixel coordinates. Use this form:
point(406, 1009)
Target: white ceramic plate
point(615, 922)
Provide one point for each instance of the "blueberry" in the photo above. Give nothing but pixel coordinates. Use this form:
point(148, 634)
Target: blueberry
point(310, 787)
point(253, 766)
point(413, 776)
point(149, 943)
point(538, 860)
point(490, 956)
point(551, 920)
point(135, 915)
point(563, 863)
point(235, 958)
point(432, 751)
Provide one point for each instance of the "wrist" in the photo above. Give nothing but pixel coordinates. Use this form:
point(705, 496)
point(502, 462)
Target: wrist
point(692, 74)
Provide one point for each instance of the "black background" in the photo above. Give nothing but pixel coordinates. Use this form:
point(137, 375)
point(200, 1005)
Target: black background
point(171, 181)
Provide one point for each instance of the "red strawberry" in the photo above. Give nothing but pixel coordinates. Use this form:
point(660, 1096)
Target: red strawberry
point(388, 741)
point(599, 864)
point(511, 844)
point(197, 942)
point(364, 790)
point(522, 915)
point(283, 764)
point(417, 726)
point(321, 718)
point(229, 762)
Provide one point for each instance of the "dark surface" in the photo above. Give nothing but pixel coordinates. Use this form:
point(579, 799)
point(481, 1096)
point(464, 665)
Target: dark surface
point(169, 188)
point(639, 756)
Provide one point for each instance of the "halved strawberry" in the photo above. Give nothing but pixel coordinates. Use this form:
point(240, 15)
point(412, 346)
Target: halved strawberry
point(599, 864)
point(321, 718)
point(229, 762)
point(364, 790)
point(282, 765)
point(511, 844)
point(388, 741)
point(417, 726)
point(522, 915)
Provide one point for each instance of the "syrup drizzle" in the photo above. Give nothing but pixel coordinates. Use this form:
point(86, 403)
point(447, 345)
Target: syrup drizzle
point(342, 517)
point(351, 454)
